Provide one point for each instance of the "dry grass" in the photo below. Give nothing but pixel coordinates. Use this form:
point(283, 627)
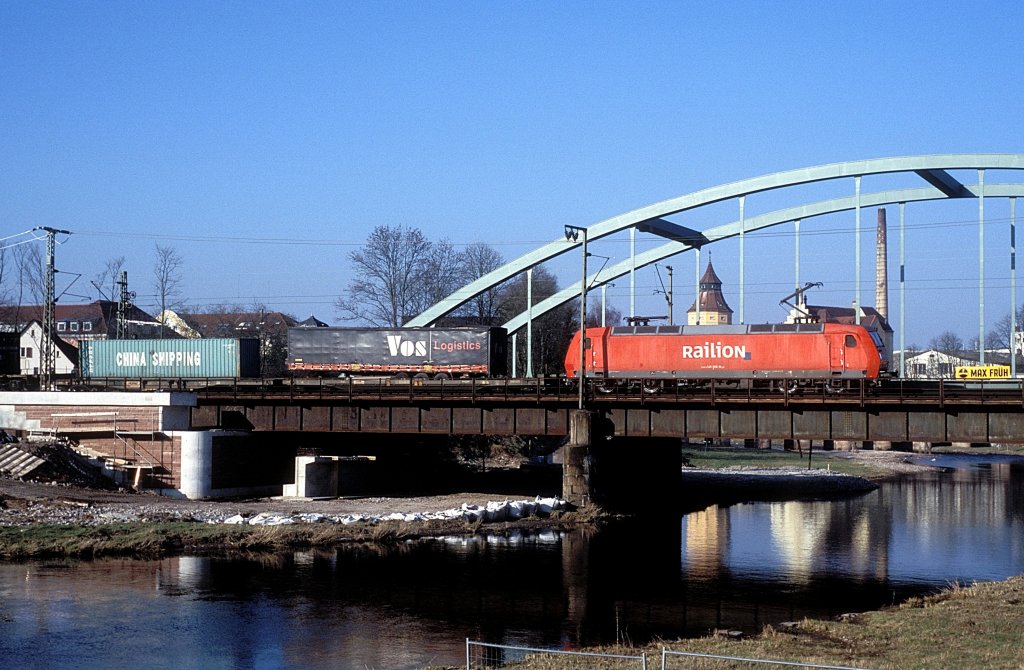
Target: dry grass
point(153, 539)
point(964, 627)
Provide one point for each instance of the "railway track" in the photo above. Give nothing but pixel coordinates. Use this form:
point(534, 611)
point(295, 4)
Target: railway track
point(554, 390)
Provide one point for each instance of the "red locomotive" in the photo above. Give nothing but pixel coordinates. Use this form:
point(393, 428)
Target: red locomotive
point(813, 351)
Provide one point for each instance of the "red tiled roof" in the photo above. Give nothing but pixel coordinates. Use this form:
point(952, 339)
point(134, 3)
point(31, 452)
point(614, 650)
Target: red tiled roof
point(234, 324)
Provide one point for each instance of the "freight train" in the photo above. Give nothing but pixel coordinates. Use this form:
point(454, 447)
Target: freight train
point(661, 355)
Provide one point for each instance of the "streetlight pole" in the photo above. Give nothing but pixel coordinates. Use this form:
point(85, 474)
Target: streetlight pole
point(572, 233)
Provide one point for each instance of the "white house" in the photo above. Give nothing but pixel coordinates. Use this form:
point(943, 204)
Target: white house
point(933, 364)
point(65, 356)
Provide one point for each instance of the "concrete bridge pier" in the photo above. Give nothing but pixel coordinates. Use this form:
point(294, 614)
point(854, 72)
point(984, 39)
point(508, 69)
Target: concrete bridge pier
point(315, 477)
point(225, 463)
point(618, 472)
point(196, 464)
point(576, 459)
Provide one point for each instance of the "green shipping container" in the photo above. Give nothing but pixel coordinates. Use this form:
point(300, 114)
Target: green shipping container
point(170, 359)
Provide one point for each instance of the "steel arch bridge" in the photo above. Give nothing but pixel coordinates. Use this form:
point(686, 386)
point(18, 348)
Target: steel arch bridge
point(936, 184)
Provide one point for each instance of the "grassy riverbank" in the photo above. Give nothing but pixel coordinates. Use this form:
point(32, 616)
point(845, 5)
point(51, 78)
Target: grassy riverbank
point(156, 539)
point(161, 536)
point(981, 626)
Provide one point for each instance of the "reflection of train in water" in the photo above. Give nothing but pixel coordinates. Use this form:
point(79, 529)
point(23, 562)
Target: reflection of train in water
point(667, 354)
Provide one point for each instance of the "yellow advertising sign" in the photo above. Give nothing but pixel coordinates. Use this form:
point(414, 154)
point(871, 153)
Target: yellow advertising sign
point(983, 372)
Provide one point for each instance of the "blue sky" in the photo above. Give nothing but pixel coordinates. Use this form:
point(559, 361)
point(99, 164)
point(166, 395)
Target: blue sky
point(264, 140)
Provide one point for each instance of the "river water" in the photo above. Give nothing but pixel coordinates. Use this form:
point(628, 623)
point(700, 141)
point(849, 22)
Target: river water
point(736, 567)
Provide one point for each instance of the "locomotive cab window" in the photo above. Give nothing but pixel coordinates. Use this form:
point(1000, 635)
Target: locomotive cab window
point(851, 341)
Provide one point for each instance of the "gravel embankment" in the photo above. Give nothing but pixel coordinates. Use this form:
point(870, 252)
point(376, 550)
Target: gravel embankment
point(28, 503)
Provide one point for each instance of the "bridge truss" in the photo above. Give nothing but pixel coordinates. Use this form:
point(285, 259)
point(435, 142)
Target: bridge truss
point(933, 171)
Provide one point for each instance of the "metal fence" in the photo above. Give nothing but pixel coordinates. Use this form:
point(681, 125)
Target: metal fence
point(480, 655)
point(484, 655)
point(695, 661)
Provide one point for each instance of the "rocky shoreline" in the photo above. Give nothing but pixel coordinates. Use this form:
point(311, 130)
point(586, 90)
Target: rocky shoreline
point(24, 504)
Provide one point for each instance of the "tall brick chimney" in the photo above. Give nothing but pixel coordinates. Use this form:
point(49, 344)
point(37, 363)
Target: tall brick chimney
point(882, 268)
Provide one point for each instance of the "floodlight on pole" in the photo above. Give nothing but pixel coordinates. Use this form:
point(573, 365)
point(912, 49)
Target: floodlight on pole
point(572, 234)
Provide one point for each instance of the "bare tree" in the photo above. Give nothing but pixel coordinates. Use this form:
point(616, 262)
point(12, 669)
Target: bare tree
point(108, 277)
point(947, 342)
point(389, 275)
point(272, 330)
point(992, 343)
point(6, 292)
point(1000, 336)
point(551, 331)
point(479, 259)
point(167, 279)
point(31, 273)
point(444, 270)
point(29, 285)
point(612, 315)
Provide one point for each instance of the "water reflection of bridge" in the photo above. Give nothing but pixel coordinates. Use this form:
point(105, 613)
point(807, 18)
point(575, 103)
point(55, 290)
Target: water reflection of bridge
point(411, 604)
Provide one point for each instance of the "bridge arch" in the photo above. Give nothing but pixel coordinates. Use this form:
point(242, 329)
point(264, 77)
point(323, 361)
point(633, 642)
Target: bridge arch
point(933, 170)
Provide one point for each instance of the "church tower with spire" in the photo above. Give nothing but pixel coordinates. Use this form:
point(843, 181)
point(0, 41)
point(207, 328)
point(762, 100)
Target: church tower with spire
point(713, 308)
